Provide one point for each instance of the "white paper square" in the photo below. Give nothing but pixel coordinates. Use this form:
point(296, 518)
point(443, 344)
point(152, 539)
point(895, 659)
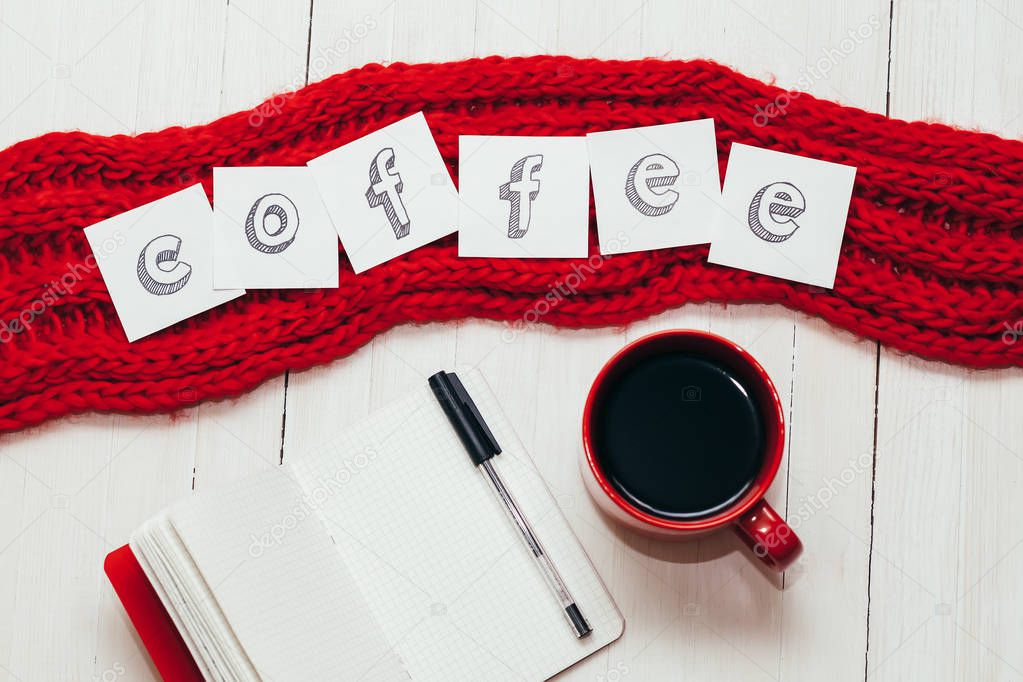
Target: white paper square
point(544, 182)
point(655, 187)
point(271, 230)
point(156, 262)
point(782, 215)
point(388, 192)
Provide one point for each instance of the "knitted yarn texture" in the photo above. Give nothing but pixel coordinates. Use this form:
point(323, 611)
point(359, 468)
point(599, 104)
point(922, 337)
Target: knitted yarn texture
point(932, 262)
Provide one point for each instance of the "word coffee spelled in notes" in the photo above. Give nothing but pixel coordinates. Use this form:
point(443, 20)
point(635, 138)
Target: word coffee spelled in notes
point(782, 215)
point(523, 197)
point(388, 192)
point(658, 185)
point(271, 230)
point(161, 271)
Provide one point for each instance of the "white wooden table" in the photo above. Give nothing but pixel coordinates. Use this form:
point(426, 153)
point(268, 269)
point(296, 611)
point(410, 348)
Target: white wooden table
point(902, 476)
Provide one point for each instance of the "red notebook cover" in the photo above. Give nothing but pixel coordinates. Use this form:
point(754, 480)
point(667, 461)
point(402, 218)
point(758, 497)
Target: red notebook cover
point(161, 638)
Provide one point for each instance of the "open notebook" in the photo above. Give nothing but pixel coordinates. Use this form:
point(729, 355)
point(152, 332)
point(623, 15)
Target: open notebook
point(380, 556)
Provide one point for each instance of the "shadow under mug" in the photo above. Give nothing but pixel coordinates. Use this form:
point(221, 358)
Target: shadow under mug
point(756, 523)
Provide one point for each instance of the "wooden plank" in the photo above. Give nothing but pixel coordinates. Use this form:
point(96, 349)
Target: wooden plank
point(647, 578)
point(947, 555)
point(179, 77)
point(320, 400)
point(323, 400)
point(838, 52)
point(29, 44)
point(122, 469)
point(265, 51)
point(406, 356)
point(701, 636)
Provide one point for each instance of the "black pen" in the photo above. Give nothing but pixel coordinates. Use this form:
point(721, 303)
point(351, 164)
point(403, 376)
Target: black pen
point(481, 445)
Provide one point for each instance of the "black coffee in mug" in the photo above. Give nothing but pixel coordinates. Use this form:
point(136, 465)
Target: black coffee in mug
point(678, 435)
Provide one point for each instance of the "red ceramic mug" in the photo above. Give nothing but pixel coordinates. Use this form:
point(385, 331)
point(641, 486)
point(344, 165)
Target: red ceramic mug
point(756, 523)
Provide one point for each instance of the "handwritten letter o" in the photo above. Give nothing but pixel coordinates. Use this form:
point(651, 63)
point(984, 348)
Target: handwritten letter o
point(281, 213)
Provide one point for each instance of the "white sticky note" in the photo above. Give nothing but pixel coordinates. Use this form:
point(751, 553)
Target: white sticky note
point(156, 262)
point(782, 215)
point(523, 197)
point(655, 187)
point(271, 230)
point(388, 192)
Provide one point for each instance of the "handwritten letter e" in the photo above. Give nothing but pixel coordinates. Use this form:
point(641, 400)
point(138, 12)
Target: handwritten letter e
point(385, 188)
point(159, 270)
point(773, 211)
point(648, 187)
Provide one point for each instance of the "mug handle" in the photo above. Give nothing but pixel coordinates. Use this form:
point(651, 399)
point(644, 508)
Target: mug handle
point(772, 540)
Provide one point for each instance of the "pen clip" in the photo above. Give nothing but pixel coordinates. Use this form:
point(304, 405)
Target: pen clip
point(481, 424)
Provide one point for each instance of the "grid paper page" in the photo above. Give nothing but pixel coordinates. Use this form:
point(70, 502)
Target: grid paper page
point(444, 571)
point(281, 584)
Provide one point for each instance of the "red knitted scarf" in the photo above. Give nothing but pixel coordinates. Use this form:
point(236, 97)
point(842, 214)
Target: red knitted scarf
point(932, 262)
